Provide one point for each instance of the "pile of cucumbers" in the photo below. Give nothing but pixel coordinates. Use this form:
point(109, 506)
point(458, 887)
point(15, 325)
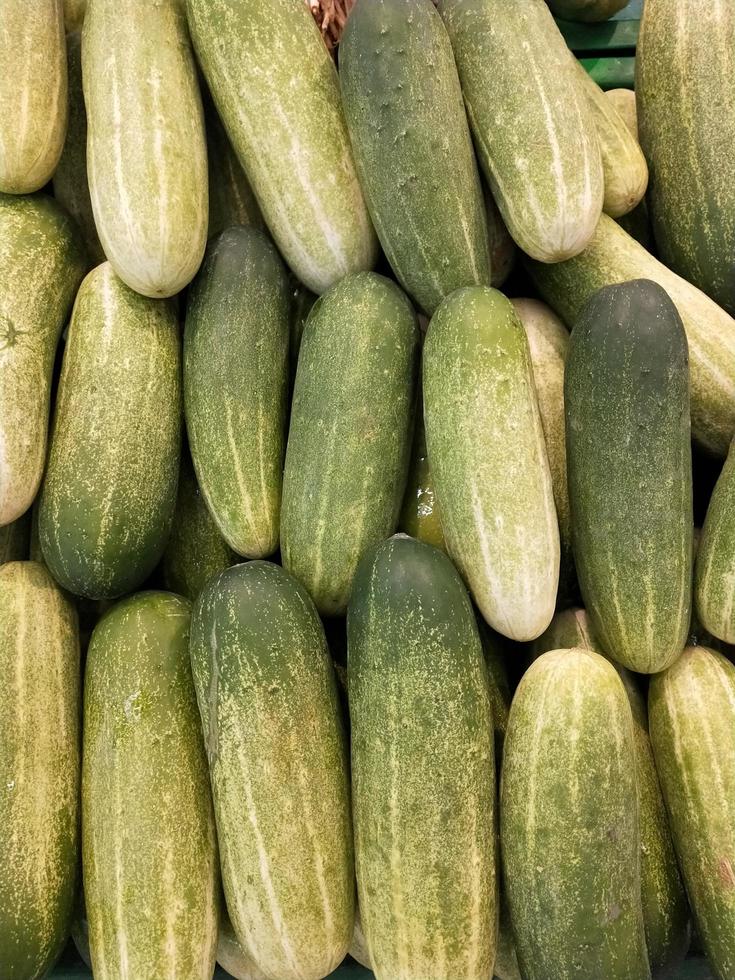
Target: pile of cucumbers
point(351, 598)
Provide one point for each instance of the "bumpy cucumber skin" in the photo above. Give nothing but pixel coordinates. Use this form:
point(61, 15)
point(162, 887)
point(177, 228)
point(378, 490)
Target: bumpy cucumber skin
point(629, 464)
point(15, 539)
point(39, 769)
point(236, 386)
point(569, 822)
point(231, 198)
point(151, 878)
point(714, 580)
point(489, 460)
point(586, 11)
point(350, 435)
point(412, 145)
point(423, 772)
point(109, 491)
point(277, 92)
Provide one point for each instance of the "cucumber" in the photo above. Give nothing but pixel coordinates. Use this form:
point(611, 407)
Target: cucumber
point(42, 262)
point(517, 75)
point(692, 717)
point(350, 434)
point(74, 11)
point(236, 386)
point(15, 540)
point(302, 300)
point(503, 250)
point(146, 149)
point(109, 491)
point(586, 11)
point(151, 879)
point(39, 769)
point(412, 145)
point(358, 947)
point(637, 222)
point(279, 769)
point(714, 580)
point(420, 511)
point(623, 101)
point(498, 685)
point(232, 957)
point(492, 481)
point(33, 93)
point(423, 774)
point(231, 198)
point(685, 89)
point(276, 90)
point(569, 829)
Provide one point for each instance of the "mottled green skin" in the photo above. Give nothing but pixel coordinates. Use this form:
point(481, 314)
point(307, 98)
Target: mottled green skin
point(423, 773)
point(279, 770)
point(276, 90)
point(350, 435)
point(685, 90)
point(489, 460)
point(15, 539)
point(109, 491)
point(39, 769)
point(232, 957)
point(586, 11)
point(412, 145)
point(419, 515)
point(626, 392)
point(231, 198)
point(534, 131)
point(692, 719)
point(236, 386)
point(714, 577)
point(569, 828)
point(151, 878)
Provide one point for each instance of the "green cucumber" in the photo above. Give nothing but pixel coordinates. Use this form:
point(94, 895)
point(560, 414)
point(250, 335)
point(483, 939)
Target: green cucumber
point(358, 947)
point(569, 829)
point(489, 460)
point(232, 957)
point(423, 773)
point(498, 685)
point(39, 769)
point(276, 90)
point(15, 539)
point(692, 718)
point(412, 145)
point(714, 581)
point(503, 250)
point(350, 435)
point(586, 11)
point(515, 70)
point(74, 11)
point(109, 491)
point(236, 386)
point(42, 262)
point(638, 221)
point(231, 198)
point(420, 511)
point(623, 101)
point(279, 770)
point(146, 148)
point(151, 878)
point(302, 301)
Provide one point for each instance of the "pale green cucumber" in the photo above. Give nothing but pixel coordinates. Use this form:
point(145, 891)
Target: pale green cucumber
point(623, 101)
point(637, 222)
point(231, 198)
point(232, 957)
point(276, 90)
point(489, 460)
point(146, 148)
point(74, 11)
point(586, 11)
point(714, 577)
point(503, 250)
point(39, 769)
point(358, 947)
point(534, 131)
point(15, 539)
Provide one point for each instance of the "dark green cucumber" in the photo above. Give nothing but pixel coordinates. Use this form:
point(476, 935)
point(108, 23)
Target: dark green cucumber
point(715, 566)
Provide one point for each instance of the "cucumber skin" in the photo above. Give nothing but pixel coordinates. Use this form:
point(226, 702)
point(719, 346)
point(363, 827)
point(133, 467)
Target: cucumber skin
point(572, 873)
point(267, 693)
point(477, 365)
point(109, 491)
point(586, 11)
point(692, 719)
point(42, 262)
point(39, 714)
point(296, 155)
point(713, 576)
point(413, 148)
point(626, 393)
point(231, 198)
point(15, 540)
point(151, 878)
point(236, 386)
point(232, 957)
point(423, 772)
point(420, 510)
point(350, 434)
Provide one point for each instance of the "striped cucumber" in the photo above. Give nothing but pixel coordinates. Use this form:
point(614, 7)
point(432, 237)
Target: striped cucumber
point(42, 262)
point(232, 957)
point(279, 770)
point(39, 769)
point(413, 149)
point(231, 198)
point(146, 149)
point(276, 90)
point(423, 774)
point(569, 829)
point(151, 879)
point(489, 460)
point(586, 11)
point(517, 75)
point(714, 580)
point(15, 539)
point(350, 435)
point(236, 386)
point(109, 491)
point(420, 511)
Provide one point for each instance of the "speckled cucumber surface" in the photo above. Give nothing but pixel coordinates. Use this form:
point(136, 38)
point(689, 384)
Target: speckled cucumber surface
point(714, 581)
point(231, 198)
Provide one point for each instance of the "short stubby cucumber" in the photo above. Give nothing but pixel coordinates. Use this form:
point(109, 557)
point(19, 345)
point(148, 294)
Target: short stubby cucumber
point(231, 198)
point(489, 460)
point(15, 539)
point(277, 92)
point(533, 127)
point(151, 877)
point(350, 435)
point(109, 491)
point(586, 11)
point(423, 773)
point(236, 386)
point(714, 579)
